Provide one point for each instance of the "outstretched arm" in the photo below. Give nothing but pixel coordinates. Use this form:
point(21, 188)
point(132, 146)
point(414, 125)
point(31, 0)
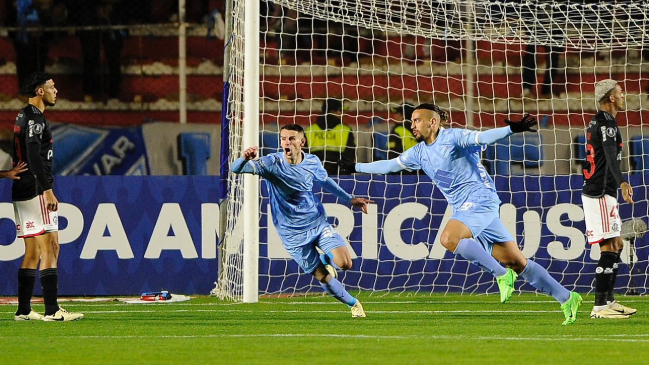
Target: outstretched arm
point(494, 135)
point(379, 167)
point(331, 186)
point(241, 166)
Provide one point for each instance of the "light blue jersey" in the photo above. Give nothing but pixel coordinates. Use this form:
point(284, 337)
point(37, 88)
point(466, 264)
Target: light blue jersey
point(292, 202)
point(453, 163)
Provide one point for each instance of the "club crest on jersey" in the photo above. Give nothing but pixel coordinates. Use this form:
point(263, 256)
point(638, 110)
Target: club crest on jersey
point(611, 132)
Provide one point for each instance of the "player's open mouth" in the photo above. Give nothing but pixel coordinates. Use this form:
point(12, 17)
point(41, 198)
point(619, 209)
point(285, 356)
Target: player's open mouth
point(287, 150)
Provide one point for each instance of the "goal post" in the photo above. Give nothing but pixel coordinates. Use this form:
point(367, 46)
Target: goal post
point(482, 62)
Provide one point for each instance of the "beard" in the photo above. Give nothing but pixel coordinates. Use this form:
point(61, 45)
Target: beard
point(49, 103)
point(419, 138)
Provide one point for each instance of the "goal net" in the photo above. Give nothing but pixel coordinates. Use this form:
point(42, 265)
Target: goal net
point(481, 62)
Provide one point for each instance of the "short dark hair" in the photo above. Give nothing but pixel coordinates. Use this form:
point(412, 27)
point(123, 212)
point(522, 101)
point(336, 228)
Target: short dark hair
point(33, 82)
point(432, 107)
point(332, 105)
point(292, 127)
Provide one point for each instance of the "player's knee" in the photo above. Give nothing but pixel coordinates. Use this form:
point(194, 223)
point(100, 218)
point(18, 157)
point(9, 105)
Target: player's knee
point(449, 241)
point(320, 273)
point(346, 264)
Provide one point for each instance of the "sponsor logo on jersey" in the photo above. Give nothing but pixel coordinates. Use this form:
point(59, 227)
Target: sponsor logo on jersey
point(599, 270)
point(603, 130)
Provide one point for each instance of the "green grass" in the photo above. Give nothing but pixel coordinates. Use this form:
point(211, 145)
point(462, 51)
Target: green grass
point(399, 329)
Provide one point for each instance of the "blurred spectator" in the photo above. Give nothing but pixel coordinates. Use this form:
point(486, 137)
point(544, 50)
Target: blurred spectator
point(101, 13)
point(401, 137)
point(31, 46)
point(530, 69)
point(529, 64)
point(293, 35)
point(329, 138)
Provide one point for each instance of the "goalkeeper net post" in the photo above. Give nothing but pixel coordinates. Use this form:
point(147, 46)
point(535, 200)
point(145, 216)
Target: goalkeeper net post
point(250, 139)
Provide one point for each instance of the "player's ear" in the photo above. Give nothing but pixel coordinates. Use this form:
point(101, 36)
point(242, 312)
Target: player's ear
point(302, 141)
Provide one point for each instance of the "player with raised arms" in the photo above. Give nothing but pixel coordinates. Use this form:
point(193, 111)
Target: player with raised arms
point(299, 217)
point(451, 158)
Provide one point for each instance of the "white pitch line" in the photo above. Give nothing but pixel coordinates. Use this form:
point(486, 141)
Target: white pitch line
point(321, 311)
point(462, 337)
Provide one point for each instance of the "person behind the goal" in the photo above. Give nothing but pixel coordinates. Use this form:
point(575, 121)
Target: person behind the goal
point(451, 158)
point(298, 216)
point(602, 177)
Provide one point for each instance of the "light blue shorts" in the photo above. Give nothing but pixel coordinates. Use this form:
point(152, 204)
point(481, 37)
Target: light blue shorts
point(302, 246)
point(483, 219)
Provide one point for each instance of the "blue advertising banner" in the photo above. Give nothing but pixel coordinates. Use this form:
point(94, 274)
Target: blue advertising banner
point(124, 235)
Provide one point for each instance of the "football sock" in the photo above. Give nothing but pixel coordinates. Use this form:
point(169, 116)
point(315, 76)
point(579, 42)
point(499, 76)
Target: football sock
point(335, 289)
point(610, 296)
point(539, 277)
point(474, 252)
point(50, 285)
point(603, 276)
point(26, 279)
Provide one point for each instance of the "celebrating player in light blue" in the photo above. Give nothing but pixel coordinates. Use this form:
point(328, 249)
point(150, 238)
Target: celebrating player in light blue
point(299, 217)
point(451, 158)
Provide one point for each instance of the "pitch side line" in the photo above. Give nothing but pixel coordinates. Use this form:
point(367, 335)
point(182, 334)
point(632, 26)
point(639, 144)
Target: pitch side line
point(370, 337)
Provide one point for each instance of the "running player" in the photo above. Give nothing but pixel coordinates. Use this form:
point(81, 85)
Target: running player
point(451, 158)
point(602, 177)
point(34, 202)
point(299, 217)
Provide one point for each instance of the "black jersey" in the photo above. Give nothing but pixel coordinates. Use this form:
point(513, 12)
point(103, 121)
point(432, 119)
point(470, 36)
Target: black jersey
point(599, 178)
point(33, 145)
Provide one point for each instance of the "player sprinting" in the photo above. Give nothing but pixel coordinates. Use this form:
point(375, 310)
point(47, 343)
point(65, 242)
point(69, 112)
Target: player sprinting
point(602, 177)
point(35, 205)
point(451, 158)
point(299, 217)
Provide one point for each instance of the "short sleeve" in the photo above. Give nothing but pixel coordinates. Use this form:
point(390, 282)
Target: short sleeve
point(410, 159)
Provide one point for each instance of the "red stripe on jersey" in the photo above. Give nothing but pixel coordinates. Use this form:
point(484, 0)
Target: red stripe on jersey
point(605, 222)
point(19, 152)
point(46, 216)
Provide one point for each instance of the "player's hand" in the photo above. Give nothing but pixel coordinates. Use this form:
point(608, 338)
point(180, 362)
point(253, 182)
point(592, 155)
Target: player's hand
point(346, 166)
point(250, 153)
point(523, 125)
point(50, 200)
point(13, 173)
point(627, 192)
point(361, 203)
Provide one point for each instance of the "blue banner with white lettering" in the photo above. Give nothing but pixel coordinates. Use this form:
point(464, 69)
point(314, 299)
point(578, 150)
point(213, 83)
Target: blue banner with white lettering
point(124, 235)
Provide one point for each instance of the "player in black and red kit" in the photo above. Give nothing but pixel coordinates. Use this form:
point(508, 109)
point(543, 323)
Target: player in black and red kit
point(602, 178)
point(35, 205)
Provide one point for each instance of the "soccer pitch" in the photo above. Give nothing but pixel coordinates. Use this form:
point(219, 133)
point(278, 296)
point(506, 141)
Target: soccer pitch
point(399, 329)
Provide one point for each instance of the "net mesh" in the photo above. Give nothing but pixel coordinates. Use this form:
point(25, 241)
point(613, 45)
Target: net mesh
point(480, 61)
